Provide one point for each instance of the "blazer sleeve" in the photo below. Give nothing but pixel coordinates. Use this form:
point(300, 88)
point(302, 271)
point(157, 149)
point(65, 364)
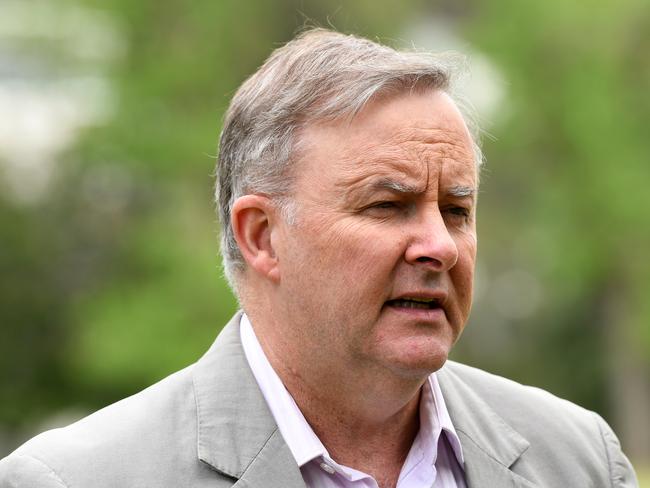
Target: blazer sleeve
point(24, 471)
point(621, 472)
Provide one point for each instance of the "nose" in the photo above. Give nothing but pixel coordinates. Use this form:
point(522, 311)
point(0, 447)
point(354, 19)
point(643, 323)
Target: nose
point(431, 244)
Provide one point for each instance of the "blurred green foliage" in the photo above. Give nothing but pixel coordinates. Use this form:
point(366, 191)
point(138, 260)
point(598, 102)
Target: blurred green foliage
point(113, 280)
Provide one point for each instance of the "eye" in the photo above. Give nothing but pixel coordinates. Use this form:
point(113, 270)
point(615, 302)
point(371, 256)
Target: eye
point(462, 211)
point(459, 213)
point(383, 208)
point(385, 204)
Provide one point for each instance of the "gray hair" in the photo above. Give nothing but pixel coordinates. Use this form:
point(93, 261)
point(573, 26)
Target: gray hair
point(318, 76)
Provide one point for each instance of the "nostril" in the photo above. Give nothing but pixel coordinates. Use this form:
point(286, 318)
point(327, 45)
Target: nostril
point(424, 259)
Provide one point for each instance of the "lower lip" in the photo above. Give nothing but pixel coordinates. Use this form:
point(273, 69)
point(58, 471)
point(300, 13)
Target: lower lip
point(422, 314)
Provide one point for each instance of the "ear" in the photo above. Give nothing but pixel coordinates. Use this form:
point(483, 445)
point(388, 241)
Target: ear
point(252, 218)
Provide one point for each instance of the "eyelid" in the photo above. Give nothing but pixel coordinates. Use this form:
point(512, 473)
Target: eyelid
point(385, 204)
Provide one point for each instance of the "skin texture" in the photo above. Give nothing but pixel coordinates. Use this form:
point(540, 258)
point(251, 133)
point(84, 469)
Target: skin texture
point(385, 210)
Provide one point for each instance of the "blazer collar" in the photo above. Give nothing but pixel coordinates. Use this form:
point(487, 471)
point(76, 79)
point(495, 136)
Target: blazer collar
point(237, 435)
point(490, 445)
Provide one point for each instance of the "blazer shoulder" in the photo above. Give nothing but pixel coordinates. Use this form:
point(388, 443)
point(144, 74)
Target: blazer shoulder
point(505, 394)
point(157, 424)
point(23, 471)
point(556, 429)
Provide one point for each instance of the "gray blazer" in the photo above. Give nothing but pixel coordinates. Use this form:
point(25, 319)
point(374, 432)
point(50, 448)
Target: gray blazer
point(209, 426)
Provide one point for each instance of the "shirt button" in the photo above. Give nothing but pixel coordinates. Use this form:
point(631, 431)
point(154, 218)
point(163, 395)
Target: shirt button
point(327, 468)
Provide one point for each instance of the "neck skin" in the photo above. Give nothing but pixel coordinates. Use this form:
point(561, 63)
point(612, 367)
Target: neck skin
point(366, 416)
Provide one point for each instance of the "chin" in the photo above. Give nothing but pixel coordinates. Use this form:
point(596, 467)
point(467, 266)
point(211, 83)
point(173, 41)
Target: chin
point(418, 361)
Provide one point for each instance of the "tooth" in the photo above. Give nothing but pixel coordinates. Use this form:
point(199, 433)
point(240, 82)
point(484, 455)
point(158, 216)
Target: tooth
point(421, 300)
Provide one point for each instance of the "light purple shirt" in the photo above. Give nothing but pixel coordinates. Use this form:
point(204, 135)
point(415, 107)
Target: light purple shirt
point(434, 460)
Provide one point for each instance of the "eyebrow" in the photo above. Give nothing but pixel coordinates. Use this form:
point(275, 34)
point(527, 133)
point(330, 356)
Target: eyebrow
point(461, 191)
point(395, 186)
point(458, 191)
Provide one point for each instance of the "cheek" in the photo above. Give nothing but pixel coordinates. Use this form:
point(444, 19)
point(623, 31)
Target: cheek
point(463, 272)
point(466, 244)
point(360, 260)
point(370, 253)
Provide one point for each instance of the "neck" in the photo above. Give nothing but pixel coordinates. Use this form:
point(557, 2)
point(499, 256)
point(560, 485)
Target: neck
point(366, 417)
point(376, 445)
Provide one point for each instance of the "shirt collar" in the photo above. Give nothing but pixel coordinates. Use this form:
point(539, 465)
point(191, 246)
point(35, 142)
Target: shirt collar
point(439, 411)
point(297, 433)
point(301, 439)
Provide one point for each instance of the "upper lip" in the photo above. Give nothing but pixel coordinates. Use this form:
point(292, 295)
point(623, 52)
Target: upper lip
point(438, 296)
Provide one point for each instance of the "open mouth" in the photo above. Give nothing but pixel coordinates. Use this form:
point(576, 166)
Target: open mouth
point(417, 303)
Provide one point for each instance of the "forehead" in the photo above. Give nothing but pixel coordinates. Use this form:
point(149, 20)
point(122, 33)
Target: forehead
point(412, 136)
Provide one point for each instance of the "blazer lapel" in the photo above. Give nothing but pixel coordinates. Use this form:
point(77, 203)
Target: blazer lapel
point(490, 445)
point(274, 467)
point(237, 435)
point(482, 470)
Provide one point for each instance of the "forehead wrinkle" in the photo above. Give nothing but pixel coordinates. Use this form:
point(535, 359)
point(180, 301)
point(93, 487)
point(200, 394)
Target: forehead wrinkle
point(434, 135)
point(383, 164)
point(409, 152)
point(434, 145)
point(394, 177)
point(412, 141)
point(451, 144)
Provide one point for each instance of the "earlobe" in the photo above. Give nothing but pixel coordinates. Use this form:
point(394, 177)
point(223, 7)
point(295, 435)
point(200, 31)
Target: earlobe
point(252, 219)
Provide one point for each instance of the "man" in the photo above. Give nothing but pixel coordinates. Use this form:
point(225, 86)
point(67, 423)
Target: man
point(347, 187)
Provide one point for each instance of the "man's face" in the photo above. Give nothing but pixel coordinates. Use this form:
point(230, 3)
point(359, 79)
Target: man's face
point(376, 271)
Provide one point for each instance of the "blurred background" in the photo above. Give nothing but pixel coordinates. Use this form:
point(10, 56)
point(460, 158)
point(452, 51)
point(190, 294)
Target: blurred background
point(109, 115)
